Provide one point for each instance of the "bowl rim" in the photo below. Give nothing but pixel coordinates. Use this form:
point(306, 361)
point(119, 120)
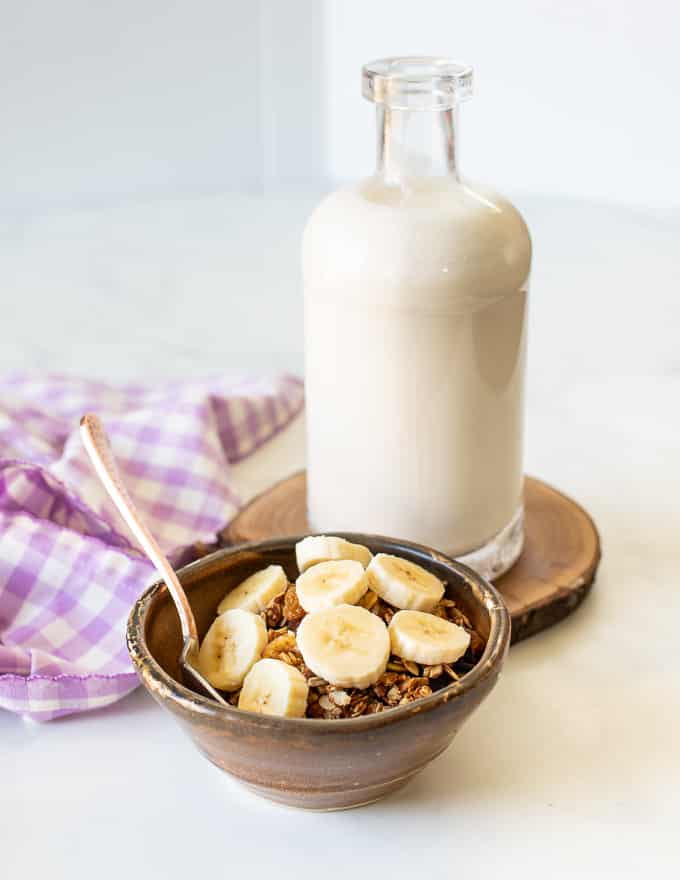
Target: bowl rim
point(165, 687)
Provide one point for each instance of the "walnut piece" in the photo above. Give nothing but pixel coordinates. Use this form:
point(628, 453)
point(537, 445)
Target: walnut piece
point(292, 610)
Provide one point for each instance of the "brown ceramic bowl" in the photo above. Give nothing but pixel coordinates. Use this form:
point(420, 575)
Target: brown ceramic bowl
point(313, 763)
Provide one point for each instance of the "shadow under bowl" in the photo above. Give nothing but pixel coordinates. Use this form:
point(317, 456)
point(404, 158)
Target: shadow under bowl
point(313, 763)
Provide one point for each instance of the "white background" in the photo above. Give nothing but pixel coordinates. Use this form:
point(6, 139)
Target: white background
point(104, 102)
point(126, 131)
point(574, 98)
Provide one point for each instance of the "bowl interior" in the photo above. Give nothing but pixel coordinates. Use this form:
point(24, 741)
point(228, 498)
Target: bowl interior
point(208, 580)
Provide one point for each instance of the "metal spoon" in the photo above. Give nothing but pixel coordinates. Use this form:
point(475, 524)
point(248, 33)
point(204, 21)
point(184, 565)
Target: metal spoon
point(99, 449)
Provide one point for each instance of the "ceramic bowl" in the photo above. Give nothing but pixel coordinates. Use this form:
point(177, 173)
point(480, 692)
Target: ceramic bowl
point(313, 763)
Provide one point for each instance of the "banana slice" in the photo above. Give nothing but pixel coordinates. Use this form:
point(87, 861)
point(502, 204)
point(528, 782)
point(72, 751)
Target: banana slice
point(403, 583)
point(338, 582)
point(230, 647)
point(256, 591)
point(273, 687)
point(426, 638)
point(346, 645)
point(320, 548)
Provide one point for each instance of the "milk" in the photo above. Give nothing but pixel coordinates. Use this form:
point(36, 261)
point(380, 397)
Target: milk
point(415, 338)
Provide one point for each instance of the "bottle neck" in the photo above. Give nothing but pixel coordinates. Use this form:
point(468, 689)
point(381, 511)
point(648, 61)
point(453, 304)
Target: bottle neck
point(416, 143)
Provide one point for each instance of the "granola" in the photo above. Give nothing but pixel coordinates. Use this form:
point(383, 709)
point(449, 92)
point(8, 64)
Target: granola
point(390, 584)
point(403, 681)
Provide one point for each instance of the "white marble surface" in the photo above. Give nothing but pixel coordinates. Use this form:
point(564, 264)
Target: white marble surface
point(572, 767)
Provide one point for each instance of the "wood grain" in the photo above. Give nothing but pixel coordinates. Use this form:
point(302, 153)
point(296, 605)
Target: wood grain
point(550, 580)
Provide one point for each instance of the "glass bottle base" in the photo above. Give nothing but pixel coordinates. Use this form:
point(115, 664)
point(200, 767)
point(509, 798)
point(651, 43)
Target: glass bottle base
point(494, 558)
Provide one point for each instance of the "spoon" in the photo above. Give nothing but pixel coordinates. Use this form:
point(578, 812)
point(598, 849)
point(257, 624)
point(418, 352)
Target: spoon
point(98, 448)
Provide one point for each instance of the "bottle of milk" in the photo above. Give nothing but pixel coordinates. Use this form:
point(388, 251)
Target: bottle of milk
point(415, 332)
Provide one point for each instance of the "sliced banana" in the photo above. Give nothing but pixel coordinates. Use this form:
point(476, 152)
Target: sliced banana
point(403, 583)
point(320, 548)
point(231, 646)
point(256, 591)
point(346, 645)
point(273, 687)
point(426, 638)
point(338, 582)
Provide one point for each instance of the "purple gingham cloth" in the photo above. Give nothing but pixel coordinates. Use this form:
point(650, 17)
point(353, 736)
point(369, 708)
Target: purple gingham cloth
point(69, 572)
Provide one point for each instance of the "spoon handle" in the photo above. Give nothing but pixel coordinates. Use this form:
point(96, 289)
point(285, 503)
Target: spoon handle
point(99, 449)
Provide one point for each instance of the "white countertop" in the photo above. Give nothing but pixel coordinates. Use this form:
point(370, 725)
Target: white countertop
point(572, 766)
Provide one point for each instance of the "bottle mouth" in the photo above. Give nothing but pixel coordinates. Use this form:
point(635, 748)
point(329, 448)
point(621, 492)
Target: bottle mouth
point(417, 82)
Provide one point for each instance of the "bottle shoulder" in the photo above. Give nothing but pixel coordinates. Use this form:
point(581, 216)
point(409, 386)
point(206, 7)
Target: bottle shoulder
point(432, 231)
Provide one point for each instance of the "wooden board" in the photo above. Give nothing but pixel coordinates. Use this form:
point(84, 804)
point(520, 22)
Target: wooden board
point(551, 578)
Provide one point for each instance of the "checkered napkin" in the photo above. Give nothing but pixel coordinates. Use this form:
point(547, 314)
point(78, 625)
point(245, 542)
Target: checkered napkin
point(69, 572)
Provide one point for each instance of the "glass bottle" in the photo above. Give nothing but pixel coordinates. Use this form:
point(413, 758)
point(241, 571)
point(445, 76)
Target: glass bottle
point(415, 327)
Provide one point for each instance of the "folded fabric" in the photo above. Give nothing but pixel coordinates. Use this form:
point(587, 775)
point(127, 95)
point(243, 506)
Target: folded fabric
point(69, 571)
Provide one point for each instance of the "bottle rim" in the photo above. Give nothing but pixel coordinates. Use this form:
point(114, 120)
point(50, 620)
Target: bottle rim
point(416, 82)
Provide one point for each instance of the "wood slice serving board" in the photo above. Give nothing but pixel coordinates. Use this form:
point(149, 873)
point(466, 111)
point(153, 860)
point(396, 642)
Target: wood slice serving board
point(552, 577)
